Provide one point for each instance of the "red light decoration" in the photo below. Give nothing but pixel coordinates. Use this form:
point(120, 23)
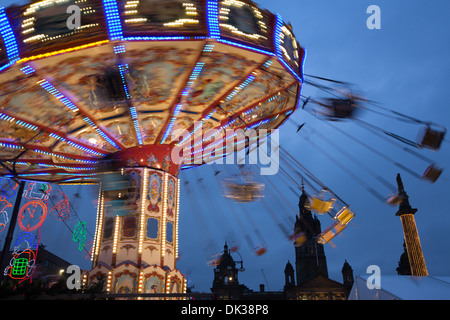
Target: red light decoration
point(32, 215)
point(60, 210)
point(3, 205)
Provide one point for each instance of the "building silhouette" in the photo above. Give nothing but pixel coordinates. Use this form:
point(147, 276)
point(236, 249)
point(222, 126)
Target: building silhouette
point(308, 280)
point(404, 269)
point(311, 271)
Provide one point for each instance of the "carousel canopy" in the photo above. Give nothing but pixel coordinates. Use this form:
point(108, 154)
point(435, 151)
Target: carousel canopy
point(130, 75)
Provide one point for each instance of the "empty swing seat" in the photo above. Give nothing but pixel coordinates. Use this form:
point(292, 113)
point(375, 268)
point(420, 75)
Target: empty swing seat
point(320, 206)
point(299, 239)
point(431, 138)
point(330, 232)
point(344, 215)
point(260, 250)
point(394, 199)
point(432, 173)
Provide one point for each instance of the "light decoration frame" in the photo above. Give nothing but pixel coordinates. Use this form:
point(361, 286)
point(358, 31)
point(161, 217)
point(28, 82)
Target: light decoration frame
point(28, 24)
point(140, 283)
point(167, 285)
point(109, 280)
point(279, 50)
point(223, 15)
point(177, 218)
point(164, 216)
point(84, 280)
point(143, 214)
point(131, 6)
point(98, 223)
point(191, 10)
point(54, 53)
point(286, 33)
point(116, 234)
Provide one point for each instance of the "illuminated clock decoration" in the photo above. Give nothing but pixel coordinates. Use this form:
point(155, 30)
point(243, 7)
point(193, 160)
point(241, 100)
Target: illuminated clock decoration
point(79, 235)
point(32, 215)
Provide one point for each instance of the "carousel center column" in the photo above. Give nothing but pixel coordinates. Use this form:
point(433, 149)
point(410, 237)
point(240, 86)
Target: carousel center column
point(136, 244)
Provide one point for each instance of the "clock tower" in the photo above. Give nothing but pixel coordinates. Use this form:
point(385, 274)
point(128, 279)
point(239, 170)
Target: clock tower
point(310, 257)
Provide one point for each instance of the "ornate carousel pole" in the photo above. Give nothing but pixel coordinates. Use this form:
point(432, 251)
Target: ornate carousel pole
point(136, 242)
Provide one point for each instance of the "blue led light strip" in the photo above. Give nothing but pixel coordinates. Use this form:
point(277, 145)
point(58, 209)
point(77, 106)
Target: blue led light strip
point(113, 19)
point(27, 70)
point(277, 35)
point(247, 81)
point(246, 47)
point(194, 75)
point(150, 38)
point(73, 144)
point(69, 104)
point(213, 19)
point(10, 146)
point(58, 95)
point(172, 121)
point(100, 132)
point(18, 122)
point(6, 31)
point(123, 68)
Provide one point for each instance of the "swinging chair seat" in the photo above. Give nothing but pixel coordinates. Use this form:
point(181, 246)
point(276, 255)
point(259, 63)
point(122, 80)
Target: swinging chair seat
point(432, 173)
point(320, 206)
point(260, 250)
point(431, 138)
point(330, 232)
point(299, 239)
point(344, 215)
point(248, 192)
point(340, 108)
point(394, 199)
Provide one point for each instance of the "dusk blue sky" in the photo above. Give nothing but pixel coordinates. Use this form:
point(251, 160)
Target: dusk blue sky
point(404, 66)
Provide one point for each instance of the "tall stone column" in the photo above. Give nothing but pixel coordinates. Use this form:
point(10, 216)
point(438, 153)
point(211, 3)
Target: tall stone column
point(412, 240)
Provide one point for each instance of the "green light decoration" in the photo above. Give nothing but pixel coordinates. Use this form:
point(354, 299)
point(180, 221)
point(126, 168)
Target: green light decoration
point(20, 267)
point(79, 235)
